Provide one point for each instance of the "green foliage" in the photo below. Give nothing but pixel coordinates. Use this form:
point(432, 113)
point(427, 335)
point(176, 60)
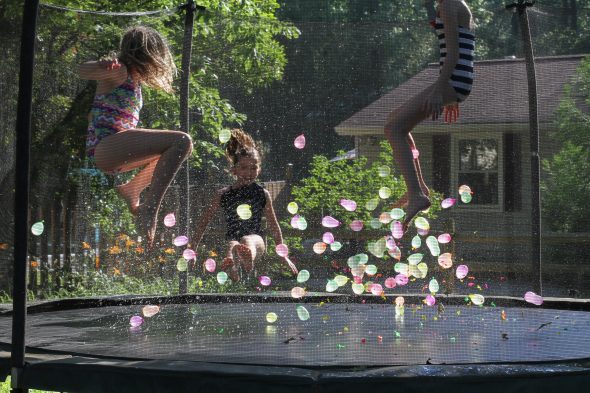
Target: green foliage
point(5, 388)
point(567, 184)
point(330, 181)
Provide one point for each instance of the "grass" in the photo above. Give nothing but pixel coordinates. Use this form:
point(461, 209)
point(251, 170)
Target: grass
point(5, 388)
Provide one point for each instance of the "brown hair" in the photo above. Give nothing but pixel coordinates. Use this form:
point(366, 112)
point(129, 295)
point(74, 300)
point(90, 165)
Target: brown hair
point(240, 145)
point(144, 51)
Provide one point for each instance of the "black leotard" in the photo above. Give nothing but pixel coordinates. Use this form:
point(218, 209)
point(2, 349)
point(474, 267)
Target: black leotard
point(253, 195)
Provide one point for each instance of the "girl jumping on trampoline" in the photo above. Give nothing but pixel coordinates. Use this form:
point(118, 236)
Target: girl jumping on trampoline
point(243, 204)
point(114, 143)
point(454, 27)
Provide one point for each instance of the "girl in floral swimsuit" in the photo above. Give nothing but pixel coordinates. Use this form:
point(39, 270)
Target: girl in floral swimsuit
point(114, 142)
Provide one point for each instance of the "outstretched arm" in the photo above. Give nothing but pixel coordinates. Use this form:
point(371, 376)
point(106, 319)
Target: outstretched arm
point(275, 229)
point(107, 70)
point(206, 219)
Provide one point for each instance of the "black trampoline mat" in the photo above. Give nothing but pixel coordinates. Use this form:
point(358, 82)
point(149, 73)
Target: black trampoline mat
point(334, 335)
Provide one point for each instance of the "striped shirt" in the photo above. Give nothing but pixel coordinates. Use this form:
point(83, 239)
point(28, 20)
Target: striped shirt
point(462, 77)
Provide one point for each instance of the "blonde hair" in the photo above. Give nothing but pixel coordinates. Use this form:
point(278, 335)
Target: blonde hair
point(145, 52)
point(240, 145)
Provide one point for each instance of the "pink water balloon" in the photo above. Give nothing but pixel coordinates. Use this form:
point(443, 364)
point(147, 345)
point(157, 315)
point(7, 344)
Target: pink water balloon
point(328, 238)
point(390, 282)
point(189, 254)
point(149, 311)
point(295, 221)
point(299, 142)
point(415, 153)
point(461, 271)
point(170, 220)
point(444, 238)
point(397, 230)
point(330, 222)
point(135, 321)
point(282, 250)
point(210, 265)
point(356, 225)
point(297, 292)
point(401, 279)
point(264, 280)
point(348, 204)
point(446, 203)
point(377, 289)
point(445, 260)
point(430, 300)
point(533, 298)
point(180, 241)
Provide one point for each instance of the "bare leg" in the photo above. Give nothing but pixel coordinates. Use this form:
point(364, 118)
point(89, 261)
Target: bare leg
point(131, 190)
point(229, 264)
point(397, 131)
point(130, 149)
point(249, 248)
point(403, 201)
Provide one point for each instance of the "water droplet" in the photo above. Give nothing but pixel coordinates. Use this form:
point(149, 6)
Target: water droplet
point(282, 250)
point(170, 220)
point(299, 142)
point(348, 205)
point(37, 228)
point(533, 298)
point(303, 276)
point(292, 207)
point(449, 202)
point(180, 241)
point(210, 265)
point(222, 277)
point(244, 211)
point(224, 135)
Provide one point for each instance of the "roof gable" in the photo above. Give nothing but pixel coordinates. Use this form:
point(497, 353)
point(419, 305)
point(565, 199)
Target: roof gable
point(499, 95)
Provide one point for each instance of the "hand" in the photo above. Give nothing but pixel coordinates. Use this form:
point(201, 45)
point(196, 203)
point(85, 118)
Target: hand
point(433, 104)
point(451, 113)
point(110, 64)
point(291, 265)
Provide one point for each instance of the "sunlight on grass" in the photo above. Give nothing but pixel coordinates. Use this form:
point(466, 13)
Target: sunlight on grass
point(5, 388)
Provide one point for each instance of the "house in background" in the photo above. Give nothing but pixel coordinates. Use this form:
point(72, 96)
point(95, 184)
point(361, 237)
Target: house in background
point(487, 149)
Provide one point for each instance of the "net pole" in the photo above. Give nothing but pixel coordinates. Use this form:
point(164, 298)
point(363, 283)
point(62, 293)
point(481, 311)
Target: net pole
point(522, 9)
point(21, 192)
point(183, 179)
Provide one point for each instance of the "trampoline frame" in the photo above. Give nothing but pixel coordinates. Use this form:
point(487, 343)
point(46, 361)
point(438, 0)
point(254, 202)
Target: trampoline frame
point(45, 369)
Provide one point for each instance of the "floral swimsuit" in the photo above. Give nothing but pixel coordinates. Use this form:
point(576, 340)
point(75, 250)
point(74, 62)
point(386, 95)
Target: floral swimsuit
point(112, 112)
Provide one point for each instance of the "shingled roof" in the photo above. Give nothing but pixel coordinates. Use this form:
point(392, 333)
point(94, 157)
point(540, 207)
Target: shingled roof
point(499, 95)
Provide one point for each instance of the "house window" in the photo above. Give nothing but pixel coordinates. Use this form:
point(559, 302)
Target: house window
point(479, 169)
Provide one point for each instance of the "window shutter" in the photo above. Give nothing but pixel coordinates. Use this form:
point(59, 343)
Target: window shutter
point(441, 163)
point(512, 173)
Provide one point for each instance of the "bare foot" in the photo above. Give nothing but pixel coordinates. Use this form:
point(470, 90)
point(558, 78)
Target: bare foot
point(145, 224)
point(231, 269)
point(132, 199)
point(245, 257)
point(416, 205)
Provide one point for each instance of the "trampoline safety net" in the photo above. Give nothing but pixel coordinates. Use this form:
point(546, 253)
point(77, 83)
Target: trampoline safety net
point(376, 217)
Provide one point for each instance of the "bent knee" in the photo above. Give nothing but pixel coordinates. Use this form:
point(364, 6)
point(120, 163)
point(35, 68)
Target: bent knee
point(185, 144)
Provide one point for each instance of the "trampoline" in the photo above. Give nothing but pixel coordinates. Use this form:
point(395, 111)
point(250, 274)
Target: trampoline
point(476, 297)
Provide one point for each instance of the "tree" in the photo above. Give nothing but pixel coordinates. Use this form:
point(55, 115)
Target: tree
point(237, 41)
point(567, 184)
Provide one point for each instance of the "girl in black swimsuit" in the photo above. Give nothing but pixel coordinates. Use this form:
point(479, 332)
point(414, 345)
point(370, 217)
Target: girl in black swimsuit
point(244, 203)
